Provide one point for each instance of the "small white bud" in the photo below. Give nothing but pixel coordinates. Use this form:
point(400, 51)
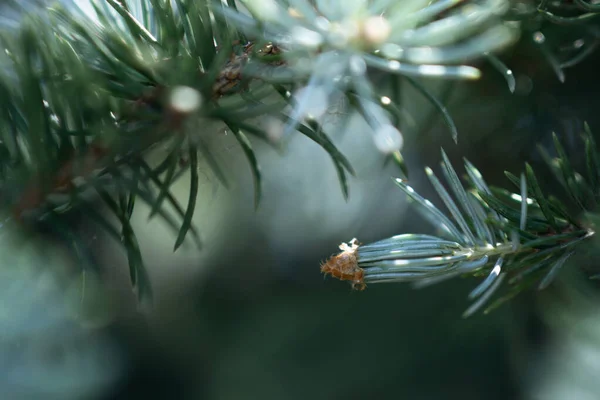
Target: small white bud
point(185, 99)
point(376, 30)
point(388, 139)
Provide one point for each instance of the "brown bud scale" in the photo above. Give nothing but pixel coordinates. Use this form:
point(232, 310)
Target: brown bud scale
point(344, 266)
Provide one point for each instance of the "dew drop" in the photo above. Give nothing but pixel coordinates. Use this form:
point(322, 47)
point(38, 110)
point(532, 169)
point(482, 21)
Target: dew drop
point(185, 99)
point(432, 70)
point(392, 50)
point(358, 66)
point(388, 139)
point(274, 129)
point(313, 101)
point(394, 65)
point(539, 37)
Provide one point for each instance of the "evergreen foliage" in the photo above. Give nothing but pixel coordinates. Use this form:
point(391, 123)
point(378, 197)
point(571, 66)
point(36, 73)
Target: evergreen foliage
point(83, 102)
point(522, 238)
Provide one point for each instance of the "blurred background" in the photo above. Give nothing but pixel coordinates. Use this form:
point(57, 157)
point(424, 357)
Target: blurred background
point(250, 316)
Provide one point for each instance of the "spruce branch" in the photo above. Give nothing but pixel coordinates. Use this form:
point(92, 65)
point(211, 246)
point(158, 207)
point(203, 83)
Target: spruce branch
point(564, 32)
point(82, 104)
point(512, 239)
point(577, 12)
point(329, 47)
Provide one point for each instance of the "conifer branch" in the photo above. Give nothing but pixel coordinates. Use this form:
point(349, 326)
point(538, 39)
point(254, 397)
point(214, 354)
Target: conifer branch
point(564, 32)
point(83, 102)
point(517, 240)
